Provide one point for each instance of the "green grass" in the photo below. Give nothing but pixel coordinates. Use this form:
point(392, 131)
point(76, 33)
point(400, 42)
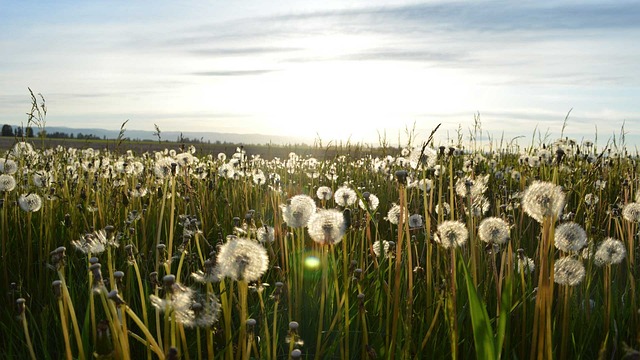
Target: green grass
point(424, 301)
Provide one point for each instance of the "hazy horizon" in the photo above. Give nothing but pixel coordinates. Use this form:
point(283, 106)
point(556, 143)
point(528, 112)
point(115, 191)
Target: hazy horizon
point(327, 69)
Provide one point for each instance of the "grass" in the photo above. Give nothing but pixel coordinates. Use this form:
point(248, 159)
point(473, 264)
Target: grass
point(418, 300)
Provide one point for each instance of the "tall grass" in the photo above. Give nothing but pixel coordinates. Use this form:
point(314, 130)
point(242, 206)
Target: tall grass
point(161, 217)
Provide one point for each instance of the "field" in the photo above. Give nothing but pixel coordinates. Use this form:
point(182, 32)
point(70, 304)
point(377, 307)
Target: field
point(146, 250)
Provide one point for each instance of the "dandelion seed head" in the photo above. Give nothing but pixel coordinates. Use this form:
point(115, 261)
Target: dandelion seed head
point(345, 196)
point(452, 234)
point(570, 237)
point(415, 221)
point(631, 212)
point(543, 199)
point(8, 166)
point(568, 271)
point(610, 251)
point(7, 183)
point(526, 264)
point(494, 230)
point(297, 213)
point(327, 227)
point(393, 215)
point(591, 199)
point(324, 193)
point(242, 259)
point(30, 203)
point(265, 234)
point(369, 200)
point(385, 247)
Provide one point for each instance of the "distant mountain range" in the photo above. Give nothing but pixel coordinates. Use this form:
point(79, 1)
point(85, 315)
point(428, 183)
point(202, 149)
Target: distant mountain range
point(175, 135)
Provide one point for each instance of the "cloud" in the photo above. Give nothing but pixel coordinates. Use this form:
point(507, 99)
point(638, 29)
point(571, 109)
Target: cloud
point(224, 73)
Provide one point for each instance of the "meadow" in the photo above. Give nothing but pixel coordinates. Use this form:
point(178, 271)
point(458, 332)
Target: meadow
point(423, 251)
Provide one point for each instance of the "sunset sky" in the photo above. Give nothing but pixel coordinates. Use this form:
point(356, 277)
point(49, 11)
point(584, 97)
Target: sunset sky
point(328, 68)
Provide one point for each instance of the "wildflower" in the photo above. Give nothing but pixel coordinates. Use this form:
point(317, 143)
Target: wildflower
point(327, 227)
point(570, 237)
point(206, 311)
point(472, 187)
point(163, 167)
point(242, 259)
point(451, 234)
point(266, 234)
point(525, 264)
point(415, 221)
point(8, 166)
point(385, 248)
point(568, 271)
point(185, 159)
point(259, 177)
point(177, 302)
point(297, 213)
point(345, 196)
point(591, 199)
point(631, 212)
point(445, 207)
point(369, 202)
point(494, 230)
point(227, 171)
point(422, 156)
point(30, 202)
point(22, 149)
point(610, 251)
point(543, 199)
point(480, 206)
point(393, 215)
point(7, 183)
point(324, 193)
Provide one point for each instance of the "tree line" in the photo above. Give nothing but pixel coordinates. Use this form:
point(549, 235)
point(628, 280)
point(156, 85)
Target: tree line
point(8, 130)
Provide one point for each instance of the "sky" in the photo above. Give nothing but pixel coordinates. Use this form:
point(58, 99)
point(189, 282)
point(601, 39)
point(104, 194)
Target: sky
point(327, 69)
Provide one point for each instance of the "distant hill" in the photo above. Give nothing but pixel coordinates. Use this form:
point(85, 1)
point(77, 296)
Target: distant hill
point(204, 136)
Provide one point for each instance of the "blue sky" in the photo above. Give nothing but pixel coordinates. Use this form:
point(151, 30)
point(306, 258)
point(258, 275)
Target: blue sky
point(334, 69)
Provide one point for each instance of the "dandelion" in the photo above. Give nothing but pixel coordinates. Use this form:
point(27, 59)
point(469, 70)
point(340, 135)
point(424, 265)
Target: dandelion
point(266, 234)
point(393, 215)
point(242, 259)
point(8, 166)
point(415, 221)
point(206, 311)
point(162, 168)
point(22, 149)
point(177, 302)
point(259, 177)
point(526, 264)
point(185, 159)
point(327, 227)
point(591, 199)
point(324, 193)
point(472, 187)
point(297, 213)
point(543, 199)
point(345, 196)
point(494, 230)
point(446, 208)
point(30, 202)
point(570, 237)
point(369, 202)
point(7, 183)
point(568, 271)
point(480, 206)
point(451, 234)
point(610, 251)
point(385, 248)
point(631, 212)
